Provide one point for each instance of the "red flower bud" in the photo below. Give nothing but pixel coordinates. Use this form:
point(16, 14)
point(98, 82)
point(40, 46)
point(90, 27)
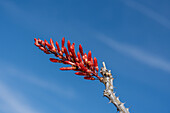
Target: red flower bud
point(55, 60)
point(79, 57)
point(47, 52)
point(81, 73)
point(97, 68)
point(73, 52)
point(42, 48)
point(51, 42)
point(68, 62)
point(95, 64)
point(48, 45)
point(43, 43)
point(65, 51)
point(39, 41)
point(89, 78)
point(85, 58)
point(72, 49)
point(63, 41)
point(58, 47)
point(69, 45)
point(81, 50)
point(92, 62)
point(89, 56)
point(83, 67)
point(36, 42)
point(68, 68)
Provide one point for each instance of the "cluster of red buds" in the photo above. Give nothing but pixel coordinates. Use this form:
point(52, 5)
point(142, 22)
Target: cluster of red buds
point(84, 64)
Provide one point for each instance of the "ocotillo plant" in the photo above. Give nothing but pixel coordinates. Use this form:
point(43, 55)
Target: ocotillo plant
point(84, 65)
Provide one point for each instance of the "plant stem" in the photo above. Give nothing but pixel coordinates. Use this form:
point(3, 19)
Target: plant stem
point(108, 92)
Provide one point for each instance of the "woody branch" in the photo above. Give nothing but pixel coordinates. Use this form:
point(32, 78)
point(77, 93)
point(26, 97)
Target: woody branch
point(108, 92)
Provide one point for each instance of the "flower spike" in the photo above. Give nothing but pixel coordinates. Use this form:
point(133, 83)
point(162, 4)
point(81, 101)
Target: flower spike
point(81, 62)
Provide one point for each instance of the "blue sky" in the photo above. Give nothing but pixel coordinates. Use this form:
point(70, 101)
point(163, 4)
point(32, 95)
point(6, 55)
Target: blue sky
point(131, 36)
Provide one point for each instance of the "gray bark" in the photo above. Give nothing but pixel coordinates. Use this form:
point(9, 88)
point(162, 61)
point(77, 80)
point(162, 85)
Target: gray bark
point(109, 93)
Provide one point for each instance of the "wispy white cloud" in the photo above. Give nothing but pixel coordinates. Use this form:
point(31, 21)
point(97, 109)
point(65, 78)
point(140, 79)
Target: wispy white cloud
point(13, 102)
point(59, 89)
point(148, 12)
point(143, 56)
point(17, 103)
